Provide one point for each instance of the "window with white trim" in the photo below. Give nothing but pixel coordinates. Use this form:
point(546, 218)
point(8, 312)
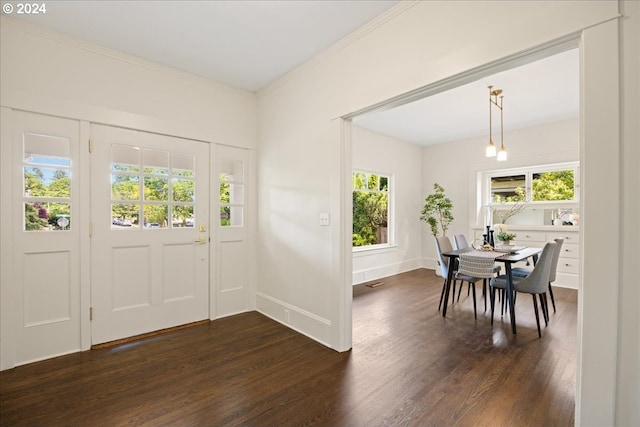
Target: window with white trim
point(371, 209)
point(552, 190)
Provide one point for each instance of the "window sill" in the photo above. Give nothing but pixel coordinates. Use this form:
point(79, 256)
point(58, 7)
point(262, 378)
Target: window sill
point(362, 251)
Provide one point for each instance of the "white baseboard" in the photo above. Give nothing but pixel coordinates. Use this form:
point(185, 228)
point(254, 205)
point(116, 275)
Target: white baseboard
point(315, 327)
point(380, 271)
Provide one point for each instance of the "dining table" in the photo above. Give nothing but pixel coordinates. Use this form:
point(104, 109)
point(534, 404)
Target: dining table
point(508, 257)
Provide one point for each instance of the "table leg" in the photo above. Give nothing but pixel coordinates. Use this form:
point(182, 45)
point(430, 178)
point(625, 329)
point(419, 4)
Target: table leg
point(451, 262)
point(512, 311)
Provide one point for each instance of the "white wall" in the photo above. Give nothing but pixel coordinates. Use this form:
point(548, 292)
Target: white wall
point(455, 166)
point(50, 73)
point(302, 266)
point(400, 160)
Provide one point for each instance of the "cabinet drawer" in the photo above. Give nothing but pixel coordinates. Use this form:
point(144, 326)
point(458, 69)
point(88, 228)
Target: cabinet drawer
point(568, 265)
point(569, 237)
point(530, 236)
point(570, 250)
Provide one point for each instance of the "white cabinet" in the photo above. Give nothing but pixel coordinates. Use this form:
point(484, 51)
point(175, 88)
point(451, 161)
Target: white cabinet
point(568, 271)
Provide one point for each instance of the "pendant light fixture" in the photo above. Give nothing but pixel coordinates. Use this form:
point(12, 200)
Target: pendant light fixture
point(491, 148)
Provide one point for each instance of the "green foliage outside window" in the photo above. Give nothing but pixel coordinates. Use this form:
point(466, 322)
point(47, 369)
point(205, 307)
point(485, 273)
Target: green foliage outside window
point(558, 185)
point(370, 209)
point(44, 215)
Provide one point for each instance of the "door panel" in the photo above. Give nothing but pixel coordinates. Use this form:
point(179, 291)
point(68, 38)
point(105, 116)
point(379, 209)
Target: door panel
point(46, 236)
point(231, 272)
point(150, 242)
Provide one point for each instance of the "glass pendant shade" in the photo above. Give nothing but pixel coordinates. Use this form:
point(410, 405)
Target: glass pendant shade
point(502, 155)
point(491, 149)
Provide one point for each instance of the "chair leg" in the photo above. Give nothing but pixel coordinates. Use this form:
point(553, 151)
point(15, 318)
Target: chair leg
point(553, 300)
point(444, 285)
point(535, 309)
point(545, 308)
point(492, 291)
point(453, 292)
point(460, 290)
point(475, 311)
point(484, 293)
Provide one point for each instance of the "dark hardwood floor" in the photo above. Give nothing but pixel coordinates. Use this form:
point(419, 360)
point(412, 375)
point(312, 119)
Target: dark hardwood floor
point(409, 366)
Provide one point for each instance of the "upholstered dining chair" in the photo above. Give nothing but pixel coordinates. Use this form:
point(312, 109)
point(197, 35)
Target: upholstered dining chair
point(443, 244)
point(462, 243)
point(536, 283)
point(524, 272)
point(473, 268)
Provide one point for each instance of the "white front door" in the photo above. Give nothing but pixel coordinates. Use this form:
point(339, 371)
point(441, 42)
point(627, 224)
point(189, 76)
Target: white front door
point(150, 232)
point(43, 298)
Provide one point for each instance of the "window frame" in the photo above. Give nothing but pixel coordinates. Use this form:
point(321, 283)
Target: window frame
point(390, 209)
point(528, 172)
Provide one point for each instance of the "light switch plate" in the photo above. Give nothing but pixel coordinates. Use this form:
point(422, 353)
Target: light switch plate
point(324, 219)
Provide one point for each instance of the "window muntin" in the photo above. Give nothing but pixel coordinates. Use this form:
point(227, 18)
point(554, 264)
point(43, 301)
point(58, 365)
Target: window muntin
point(46, 183)
point(371, 200)
point(151, 189)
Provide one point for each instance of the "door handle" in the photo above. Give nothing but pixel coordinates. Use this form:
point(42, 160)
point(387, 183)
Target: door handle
point(200, 240)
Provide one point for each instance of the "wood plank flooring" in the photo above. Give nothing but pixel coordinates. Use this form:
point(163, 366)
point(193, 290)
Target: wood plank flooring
point(409, 366)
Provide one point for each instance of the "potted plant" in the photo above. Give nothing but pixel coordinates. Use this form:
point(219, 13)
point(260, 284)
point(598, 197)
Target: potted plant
point(437, 211)
point(504, 236)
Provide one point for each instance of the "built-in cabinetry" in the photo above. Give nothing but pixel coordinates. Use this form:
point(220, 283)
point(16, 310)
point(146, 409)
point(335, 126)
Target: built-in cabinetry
point(568, 272)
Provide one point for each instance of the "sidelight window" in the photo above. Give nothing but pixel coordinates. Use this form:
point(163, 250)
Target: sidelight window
point(46, 183)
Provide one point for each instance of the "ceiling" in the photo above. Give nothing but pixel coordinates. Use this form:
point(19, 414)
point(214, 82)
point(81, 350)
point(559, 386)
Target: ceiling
point(540, 92)
point(246, 44)
point(250, 44)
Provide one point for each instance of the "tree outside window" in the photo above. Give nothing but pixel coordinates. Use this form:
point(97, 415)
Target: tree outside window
point(370, 209)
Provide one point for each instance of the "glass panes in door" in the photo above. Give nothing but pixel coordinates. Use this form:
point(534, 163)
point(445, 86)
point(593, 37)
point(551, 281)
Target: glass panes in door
point(151, 189)
point(46, 173)
point(232, 198)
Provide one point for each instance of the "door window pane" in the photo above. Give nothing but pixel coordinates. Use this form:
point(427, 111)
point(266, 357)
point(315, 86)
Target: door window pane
point(156, 162)
point(231, 216)
point(156, 216)
point(125, 159)
point(125, 187)
point(124, 215)
point(183, 164)
point(183, 216)
point(183, 190)
point(156, 188)
point(45, 216)
point(232, 170)
point(46, 182)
